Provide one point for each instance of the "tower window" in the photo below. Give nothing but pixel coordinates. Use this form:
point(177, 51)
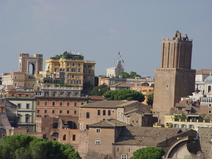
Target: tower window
point(123, 156)
point(98, 141)
point(98, 130)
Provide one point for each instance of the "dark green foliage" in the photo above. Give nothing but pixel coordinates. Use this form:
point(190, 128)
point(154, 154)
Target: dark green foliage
point(0, 80)
point(148, 153)
point(21, 146)
point(129, 75)
point(87, 87)
point(99, 90)
point(125, 75)
point(134, 74)
point(181, 117)
point(68, 55)
point(124, 94)
point(150, 99)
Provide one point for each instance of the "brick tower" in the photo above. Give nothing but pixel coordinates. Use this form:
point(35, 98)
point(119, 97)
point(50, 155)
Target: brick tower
point(175, 78)
point(35, 61)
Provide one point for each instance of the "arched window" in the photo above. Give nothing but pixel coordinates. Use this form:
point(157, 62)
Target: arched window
point(19, 117)
point(27, 118)
point(209, 89)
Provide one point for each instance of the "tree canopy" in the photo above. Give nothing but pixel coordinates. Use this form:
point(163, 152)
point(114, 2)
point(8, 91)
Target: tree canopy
point(22, 146)
point(148, 153)
point(87, 87)
point(99, 90)
point(150, 99)
point(178, 117)
point(124, 94)
point(68, 55)
point(132, 74)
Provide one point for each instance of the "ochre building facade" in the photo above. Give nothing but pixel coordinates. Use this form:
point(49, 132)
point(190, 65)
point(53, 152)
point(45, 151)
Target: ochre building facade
point(76, 72)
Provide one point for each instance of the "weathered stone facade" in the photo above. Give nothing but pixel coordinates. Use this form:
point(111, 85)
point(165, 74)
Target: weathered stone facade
point(36, 62)
point(54, 106)
point(175, 78)
point(130, 112)
point(206, 142)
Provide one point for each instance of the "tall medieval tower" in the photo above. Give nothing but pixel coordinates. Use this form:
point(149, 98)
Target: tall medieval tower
point(36, 63)
point(175, 78)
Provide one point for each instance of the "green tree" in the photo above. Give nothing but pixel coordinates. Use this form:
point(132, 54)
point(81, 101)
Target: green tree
point(87, 87)
point(21, 146)
point(124, 94)
point(99, 90)
point(0, 80)
point(132, 74)
point(68, 55)
point(150, 99)
point(125, 75)
point(148, 153)
point(180, 117)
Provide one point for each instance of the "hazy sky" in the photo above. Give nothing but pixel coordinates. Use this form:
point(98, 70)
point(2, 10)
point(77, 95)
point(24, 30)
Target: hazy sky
point(98, 29)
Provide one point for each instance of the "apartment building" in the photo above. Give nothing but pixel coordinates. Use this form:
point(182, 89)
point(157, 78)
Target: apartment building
point(26, 111)
point(76, 71)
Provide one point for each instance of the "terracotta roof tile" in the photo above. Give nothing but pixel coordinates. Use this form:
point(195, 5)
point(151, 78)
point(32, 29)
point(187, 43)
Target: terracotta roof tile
point(109, 123)
point(146, 136)
point(109, 104)
point(122, 84)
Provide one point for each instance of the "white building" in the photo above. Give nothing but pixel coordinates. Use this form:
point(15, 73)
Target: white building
point(115, 71)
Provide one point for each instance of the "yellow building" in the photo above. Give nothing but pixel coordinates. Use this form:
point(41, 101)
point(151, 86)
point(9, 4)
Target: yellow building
point(192, 122)
point(76, 71)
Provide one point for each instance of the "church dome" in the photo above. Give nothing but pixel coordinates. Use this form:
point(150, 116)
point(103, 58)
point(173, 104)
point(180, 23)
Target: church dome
point(209, 78)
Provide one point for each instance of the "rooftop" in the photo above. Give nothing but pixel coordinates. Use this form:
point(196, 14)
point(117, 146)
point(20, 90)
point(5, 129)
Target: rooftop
point(108, 123)
point(146, 136)
point(110, 104)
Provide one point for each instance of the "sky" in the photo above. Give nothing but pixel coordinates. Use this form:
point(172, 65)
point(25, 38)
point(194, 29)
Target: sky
point(99, 29)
